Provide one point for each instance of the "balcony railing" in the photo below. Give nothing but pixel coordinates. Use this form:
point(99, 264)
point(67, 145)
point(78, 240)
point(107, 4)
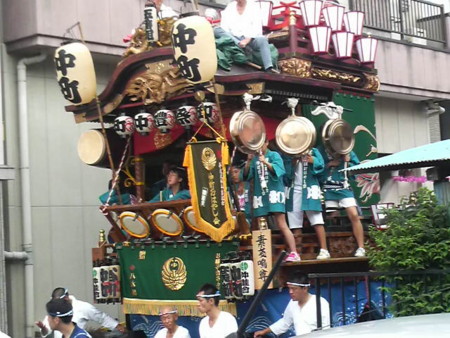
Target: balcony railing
point(416, 21)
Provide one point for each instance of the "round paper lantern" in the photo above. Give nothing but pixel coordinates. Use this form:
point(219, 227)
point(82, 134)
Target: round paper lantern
point(187, 116)
point(144, 123)
point(194, 44)
point(164, 120)
point(211, 112)
point(124, 125)
point(75, 73)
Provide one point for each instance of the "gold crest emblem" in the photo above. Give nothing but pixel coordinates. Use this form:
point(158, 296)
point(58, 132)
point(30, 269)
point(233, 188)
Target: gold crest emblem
point(174, 273)
point(209, 159)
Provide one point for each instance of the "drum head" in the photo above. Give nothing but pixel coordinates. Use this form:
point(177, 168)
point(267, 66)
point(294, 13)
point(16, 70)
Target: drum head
point(167, 222)
point(247, 131)
point(134, 225)
point(189, 219)
point(91, 147)
point(295, 135)
point(339, 137)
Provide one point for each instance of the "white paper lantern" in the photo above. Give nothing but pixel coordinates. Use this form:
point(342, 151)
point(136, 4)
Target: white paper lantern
point(75, 73)
point(333, 16)
point(187, 116)
point(144, 123)
point(311, 10)
point(211, 112)
point(367, 49)
point(164, 120)
point(343, 44)
point(320, 39)
point(124, 125)
point(194, 48)
point(354, 22)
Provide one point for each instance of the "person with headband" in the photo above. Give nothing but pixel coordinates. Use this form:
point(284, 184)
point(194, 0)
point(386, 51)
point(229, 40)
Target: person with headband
point(217, 323)
point(60, 314)
point(301, 310)
point(82, 313)
point(169, 316)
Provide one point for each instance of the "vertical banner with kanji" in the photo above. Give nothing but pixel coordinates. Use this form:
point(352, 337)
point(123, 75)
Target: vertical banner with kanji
point(205, 162)
point(262, 256)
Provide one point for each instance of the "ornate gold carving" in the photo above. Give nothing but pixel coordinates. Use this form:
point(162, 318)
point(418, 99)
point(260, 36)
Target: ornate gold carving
point(256, 88)
point(139, 43)
point(209, 159)
point(372, 82)
point(296, 67)
point(333, 75)
point(157, 83)
point(162, 140)
point(174, 273)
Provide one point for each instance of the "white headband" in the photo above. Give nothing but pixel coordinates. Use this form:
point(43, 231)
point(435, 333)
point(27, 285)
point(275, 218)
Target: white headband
point(217, 294)
point(168, 312)
point(298, 284)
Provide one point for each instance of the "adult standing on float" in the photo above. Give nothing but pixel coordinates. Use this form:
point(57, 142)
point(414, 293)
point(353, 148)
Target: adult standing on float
point(267, 171)
point(241, 20)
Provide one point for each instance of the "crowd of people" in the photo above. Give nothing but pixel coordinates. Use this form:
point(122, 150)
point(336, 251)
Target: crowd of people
point(68, 317)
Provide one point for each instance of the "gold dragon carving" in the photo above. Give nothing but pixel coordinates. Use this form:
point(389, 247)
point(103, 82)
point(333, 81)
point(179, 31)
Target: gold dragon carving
point(372, 82)
point(156, 84)
point(139, 43)
point(296, 67)
point(333, 75)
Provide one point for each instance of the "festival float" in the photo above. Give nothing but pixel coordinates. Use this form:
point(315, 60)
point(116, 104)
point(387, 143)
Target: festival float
point(169, 98)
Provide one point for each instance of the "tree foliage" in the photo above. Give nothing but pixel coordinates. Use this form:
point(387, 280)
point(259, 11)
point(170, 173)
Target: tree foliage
point(417, 239)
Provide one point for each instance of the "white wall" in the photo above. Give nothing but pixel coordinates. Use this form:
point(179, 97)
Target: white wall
point(64, 192)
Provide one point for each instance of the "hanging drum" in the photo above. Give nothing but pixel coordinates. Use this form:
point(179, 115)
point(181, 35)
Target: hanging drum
point(247, 131)
point(92, 147)
point(338, 138)
point(188, 216)
point(135, 225)
point(167, 222)
point(295, 135)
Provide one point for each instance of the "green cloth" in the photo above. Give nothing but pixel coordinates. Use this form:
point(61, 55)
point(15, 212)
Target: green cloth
point(147, 277)
point(167, 195)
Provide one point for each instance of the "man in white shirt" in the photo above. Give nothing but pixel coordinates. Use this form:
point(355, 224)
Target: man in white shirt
point(241, 20)
point(217, 323)
point(171, 329)
point(82, 313)
point(301, 311)
point(164, 11)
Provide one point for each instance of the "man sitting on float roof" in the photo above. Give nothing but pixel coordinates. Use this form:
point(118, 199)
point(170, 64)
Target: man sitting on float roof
point(241, 20)
point(177, 188)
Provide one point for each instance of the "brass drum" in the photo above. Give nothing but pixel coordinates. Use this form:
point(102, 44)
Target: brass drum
point(247, 131)
point(338, 137)
point(135, 225)
point(167, 222)
point(295, 135)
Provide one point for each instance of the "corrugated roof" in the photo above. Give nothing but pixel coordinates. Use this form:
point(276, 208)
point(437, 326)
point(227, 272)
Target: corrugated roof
point(433, 154)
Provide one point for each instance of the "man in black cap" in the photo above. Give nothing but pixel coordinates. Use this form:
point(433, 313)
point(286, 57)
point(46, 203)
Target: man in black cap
point(60, 314)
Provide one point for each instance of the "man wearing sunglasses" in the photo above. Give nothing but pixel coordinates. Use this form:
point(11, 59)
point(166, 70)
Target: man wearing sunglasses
point(82, 313)
point(300, 311)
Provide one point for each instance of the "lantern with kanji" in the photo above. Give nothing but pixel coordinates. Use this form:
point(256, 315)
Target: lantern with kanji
point(194, 44)
point(75, 73)
point(144, 123)
point(186, 116)
point(209, 110)
point(164, 120)
point(124, 125)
